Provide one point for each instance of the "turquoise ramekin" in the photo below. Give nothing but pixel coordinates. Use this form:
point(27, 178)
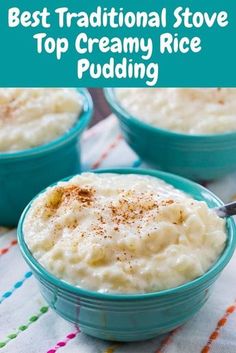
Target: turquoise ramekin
point(130, 317)
point(23, 174)
point(198, 157)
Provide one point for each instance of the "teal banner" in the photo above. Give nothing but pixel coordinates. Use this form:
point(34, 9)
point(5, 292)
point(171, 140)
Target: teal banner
point(118, 43)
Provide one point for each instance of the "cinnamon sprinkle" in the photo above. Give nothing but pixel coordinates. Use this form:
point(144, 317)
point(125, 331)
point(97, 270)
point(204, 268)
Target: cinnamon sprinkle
point(127, 211)
point(5, 112)
point(64, 195)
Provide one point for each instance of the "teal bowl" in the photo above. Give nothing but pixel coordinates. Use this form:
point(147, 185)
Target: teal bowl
point(23, 174)
point(198, 157)
point(132, 317)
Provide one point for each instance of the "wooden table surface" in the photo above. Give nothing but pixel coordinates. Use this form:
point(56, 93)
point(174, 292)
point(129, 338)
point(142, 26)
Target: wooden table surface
point(101, 108)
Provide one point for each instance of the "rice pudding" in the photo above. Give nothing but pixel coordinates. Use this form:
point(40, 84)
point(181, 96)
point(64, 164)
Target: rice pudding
point(31, 117)
point(122, 233)
point(185, 110)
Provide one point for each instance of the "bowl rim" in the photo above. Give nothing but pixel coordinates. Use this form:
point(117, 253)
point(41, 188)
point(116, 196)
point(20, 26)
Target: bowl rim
point(81, 123)
point(216, 268)
point(125, 115)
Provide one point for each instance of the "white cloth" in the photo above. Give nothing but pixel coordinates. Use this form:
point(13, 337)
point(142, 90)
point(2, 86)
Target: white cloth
point(20, 300)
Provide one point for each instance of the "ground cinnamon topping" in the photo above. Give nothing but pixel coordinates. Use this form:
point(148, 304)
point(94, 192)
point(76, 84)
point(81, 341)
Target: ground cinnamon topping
point(169, 202)
point(126, 210)
point(64, 195)
point(181, 217)
point(5, 111)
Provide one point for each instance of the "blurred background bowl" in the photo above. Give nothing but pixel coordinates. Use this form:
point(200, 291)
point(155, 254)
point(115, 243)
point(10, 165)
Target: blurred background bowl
point(24, 173)
point(198, 157)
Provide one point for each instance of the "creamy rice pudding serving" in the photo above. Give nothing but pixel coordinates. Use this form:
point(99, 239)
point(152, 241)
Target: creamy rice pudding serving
point(31, 117)
point(186, 110)
point(122, 233)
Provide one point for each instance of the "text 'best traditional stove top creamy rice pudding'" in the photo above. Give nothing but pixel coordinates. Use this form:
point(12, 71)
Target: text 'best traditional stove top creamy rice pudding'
point(35, 116)
point(122, 233)
point(185, 110)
